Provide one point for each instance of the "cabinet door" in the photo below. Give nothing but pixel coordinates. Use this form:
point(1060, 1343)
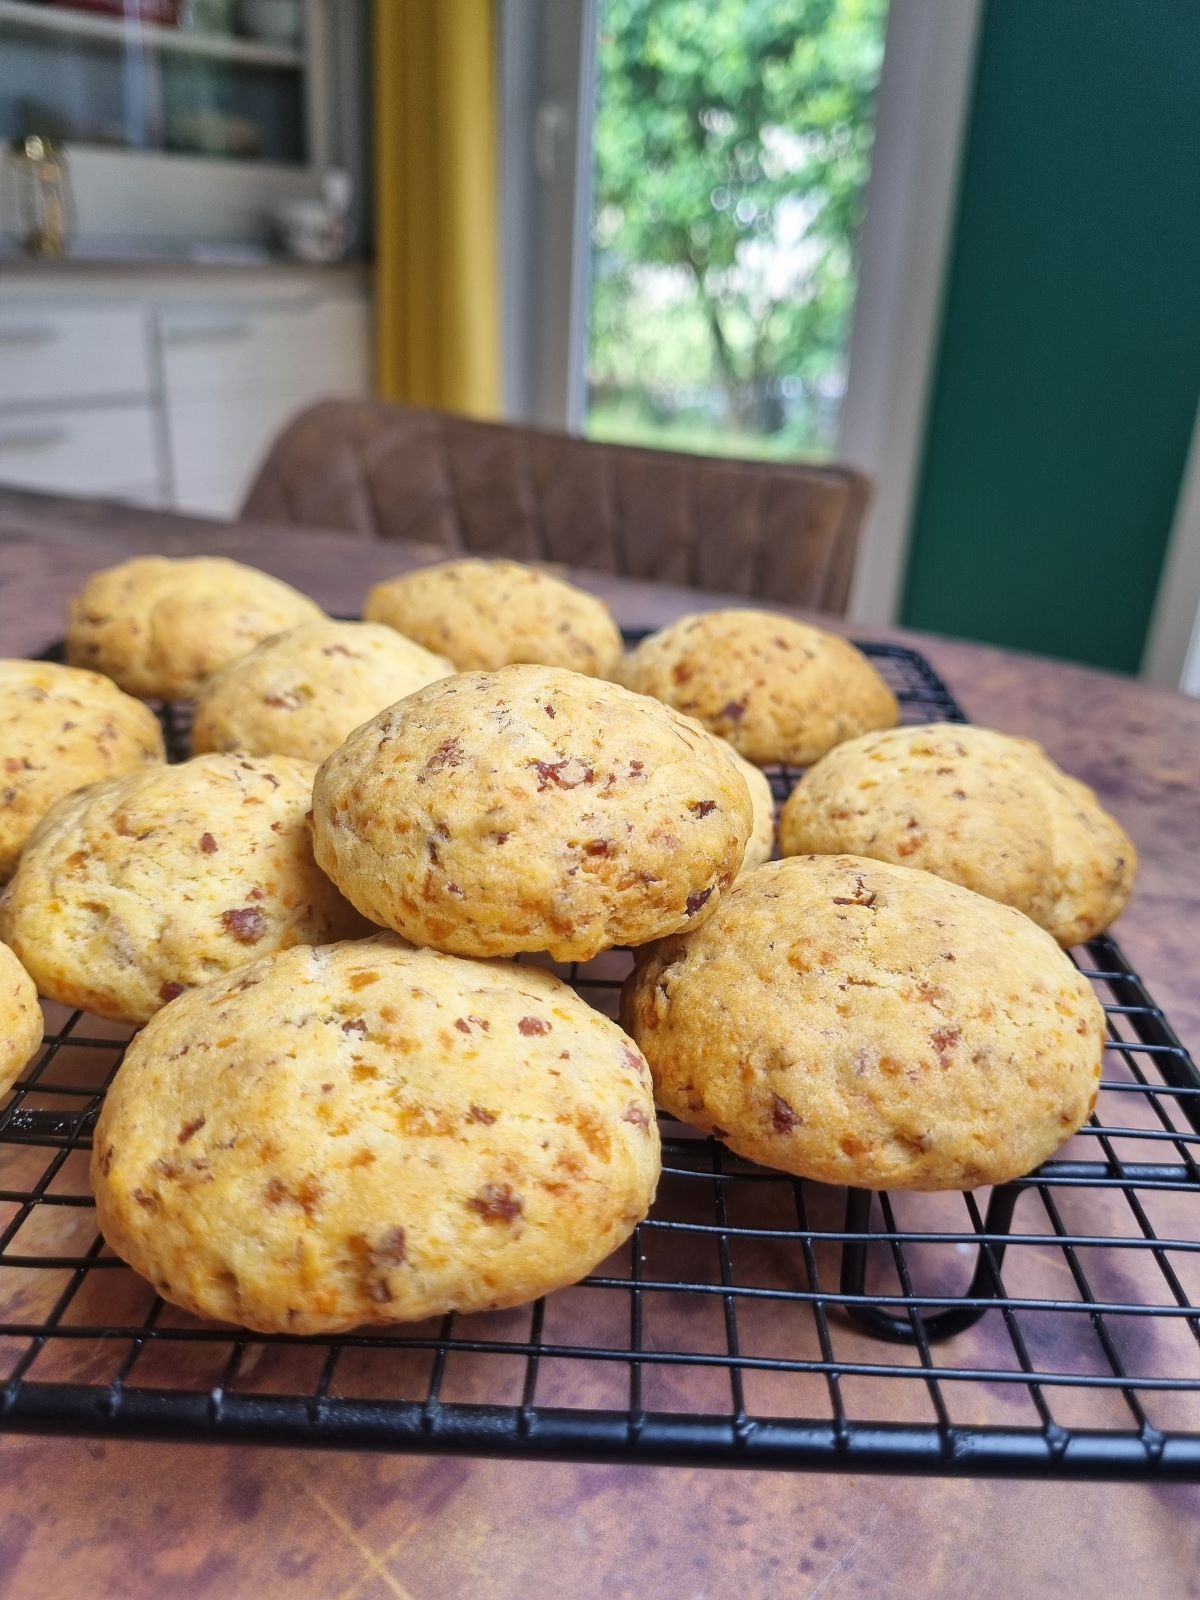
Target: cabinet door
point(234, 375)
point(89, 450)
point(50, 353)
point(217, 446)
point(213, 352)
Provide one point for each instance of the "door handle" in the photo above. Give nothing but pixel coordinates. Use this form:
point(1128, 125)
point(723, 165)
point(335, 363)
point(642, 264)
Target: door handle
point(29, 334)
point(229, 332)
point(550, 124)
point(32, 440)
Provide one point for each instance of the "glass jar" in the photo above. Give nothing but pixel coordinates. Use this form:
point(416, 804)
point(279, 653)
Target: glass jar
point(35, 196)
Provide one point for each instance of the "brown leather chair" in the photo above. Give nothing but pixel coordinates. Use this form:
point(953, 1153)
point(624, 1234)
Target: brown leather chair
point(773, 530)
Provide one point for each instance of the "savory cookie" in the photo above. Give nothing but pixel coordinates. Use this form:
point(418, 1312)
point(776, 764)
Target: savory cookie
point(369, 1133)
point(20, 1019)
point(762, 802)
point(493, 613)
point(983, 809)
point(865, 1024)
point(777, 689)
point(136, 889)
point(160, 627)
point(62, 729)
point(301, 692)
point(530, 809)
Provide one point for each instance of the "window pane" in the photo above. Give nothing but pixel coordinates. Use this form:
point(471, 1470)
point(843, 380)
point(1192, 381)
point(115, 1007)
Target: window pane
point(732, 146)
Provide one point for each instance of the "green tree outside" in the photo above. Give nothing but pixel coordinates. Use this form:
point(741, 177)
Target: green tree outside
point(732, 146)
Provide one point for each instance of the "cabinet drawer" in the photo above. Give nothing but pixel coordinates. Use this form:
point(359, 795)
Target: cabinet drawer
point(223, 352)
point(216, 447)
point(93, 451)
point(53, 354)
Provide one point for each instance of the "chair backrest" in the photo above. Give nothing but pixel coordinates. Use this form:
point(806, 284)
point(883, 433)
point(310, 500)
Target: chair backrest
point(773, 530)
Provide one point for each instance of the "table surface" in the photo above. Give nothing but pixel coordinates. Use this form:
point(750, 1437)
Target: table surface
point(153, 1520)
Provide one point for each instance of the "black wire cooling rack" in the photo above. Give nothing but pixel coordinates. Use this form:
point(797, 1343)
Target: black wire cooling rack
point(1046, 1330)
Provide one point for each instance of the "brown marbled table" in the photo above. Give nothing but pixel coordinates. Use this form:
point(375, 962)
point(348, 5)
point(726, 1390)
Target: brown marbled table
point(147, 1520)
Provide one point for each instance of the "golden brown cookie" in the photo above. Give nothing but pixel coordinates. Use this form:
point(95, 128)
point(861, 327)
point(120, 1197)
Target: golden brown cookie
point(761, 844)
point(62, 729)
point(369, 1133)
point(530, 809)
point(493, 613)
point(301, 692)
point(160, 627)
point(134, 890)
point(777, 689)
point(20, 1019)
point(865, 1024)
point(983, 809)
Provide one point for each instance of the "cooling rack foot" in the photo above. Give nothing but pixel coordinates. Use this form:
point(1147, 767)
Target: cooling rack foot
point(935, 1325)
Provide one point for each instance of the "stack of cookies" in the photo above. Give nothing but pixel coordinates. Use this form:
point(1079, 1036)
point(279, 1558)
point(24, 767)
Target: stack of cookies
point(322, 1124)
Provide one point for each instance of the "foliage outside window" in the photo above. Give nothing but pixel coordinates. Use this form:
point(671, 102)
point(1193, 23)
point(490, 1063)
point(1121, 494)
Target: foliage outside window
point(732, 146)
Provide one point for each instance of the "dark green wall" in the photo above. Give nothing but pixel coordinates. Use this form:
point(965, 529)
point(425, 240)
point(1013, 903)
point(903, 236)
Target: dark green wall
point(1067, 377)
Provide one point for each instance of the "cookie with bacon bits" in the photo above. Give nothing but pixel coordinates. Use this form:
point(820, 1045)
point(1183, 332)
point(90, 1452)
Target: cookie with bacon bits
point(531, 809)
point(302, 692)
point(761, 843)
point(866, 1024)
point(63, 729)
point(368, 1133)
point(161, 627)
point(777, 689)
point(981, 808)
point(21, 1023)
point(132, 891)
point(493, 613)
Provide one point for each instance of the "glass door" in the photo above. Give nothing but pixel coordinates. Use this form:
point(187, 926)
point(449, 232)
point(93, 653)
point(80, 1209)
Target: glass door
point(184, 120)
point(684, 187)
point(731, 149)
point(726, 226)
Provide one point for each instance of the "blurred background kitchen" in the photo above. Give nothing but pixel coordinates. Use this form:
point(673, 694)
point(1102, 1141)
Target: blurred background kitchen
point(953, 244)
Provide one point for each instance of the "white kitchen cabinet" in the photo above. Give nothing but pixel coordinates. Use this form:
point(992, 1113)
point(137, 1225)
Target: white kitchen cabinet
point(167, 387)
point(232, 378)
point(216, 446)
point(211, 352)
point(83, 450)
point(61, 353)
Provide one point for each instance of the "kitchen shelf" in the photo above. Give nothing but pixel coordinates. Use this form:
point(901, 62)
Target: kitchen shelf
point(151, 36)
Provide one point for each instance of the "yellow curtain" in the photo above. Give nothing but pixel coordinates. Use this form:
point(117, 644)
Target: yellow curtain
point(436, 291)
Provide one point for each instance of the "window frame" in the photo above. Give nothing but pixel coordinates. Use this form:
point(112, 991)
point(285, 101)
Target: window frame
point(548, 66)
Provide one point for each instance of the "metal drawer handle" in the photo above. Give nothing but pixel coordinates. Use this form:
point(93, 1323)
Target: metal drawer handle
point(208, 333)
point(39, 333)
point(32, 439)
